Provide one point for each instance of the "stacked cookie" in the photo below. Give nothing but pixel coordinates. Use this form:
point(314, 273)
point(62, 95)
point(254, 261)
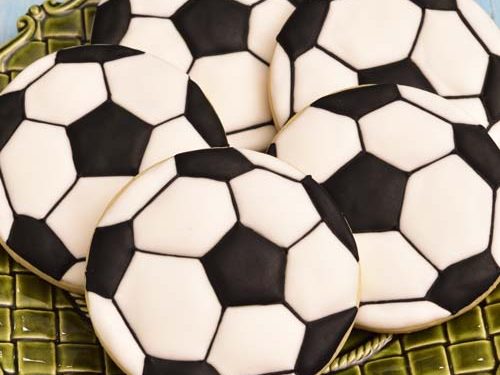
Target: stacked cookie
point(374, 206)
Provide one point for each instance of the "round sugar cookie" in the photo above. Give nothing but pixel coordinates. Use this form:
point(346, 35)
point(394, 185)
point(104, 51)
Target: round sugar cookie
point(418, 185)
point(222, 262)
point(449, 47)
point(75, 126)
point(224, 45)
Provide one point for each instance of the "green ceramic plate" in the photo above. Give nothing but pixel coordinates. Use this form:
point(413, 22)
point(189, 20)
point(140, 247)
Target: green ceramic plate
point(44, 330)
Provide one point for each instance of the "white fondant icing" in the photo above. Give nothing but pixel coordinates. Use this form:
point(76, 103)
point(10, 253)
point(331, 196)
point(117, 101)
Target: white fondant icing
point(405, 136)
point(280, 85)
point(6, 216)
point(171, 138)
point(391, 269)
point(158, 8)
point(43, 99)
point(447, 211)
point(138, 193)
point(318, 142)
point(236, 85)
point(256, 340)
point(37, 155)
point(266, 20)
point(31, 73)
point(257, 139)
point(155, 92)
point(247, 2)
point(316, 75)
point(276, 165)
point(402, 315)
point(170, 305)
point(74, 222)
point(449, 55)
point(474, 108)
point(495, 244)
point(76, 274)
point(354, 29)
point(143, 34)
point(322, 276)
point(115, 334)
point(481, 23)
point(182, 221)
point(436, 104)
point(274, 207)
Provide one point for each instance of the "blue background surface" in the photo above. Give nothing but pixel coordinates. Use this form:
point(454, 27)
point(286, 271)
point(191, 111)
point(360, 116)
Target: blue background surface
point(11, 10)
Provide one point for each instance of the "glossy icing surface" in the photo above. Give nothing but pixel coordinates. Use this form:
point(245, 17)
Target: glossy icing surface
point(224, 45)
point(222, 261)
point(449, 47)
point(76, 125)
point(418, 184)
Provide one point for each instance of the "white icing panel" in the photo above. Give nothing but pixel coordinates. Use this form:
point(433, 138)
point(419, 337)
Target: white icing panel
point(266, 20)
point(276, 165)
point(114, 333)
point(182, 221)
point(170, 305)
point(391, 269)
point(274, 207)
point(474, 108)
point(159, 8)
point(155, 92)
point(403, 315)
point(31, 73)
point(75, 275)
point(257, 139)
point(433, 103)
point(37, 155)
point(171, 138)
point(447, 211)
point(6, 216)
point(317, 75)
point(449, 55)
point(405, 136)
point(256, 340)
point(495, 245)
point(322, 276)
point(355, 29)
point(75, 218)
point(43, 99)
point(138, 193)
point(280, 86)
point(143, 34)
point(318, 142)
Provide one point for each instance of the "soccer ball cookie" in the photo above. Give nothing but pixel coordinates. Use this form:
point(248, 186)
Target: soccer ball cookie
point(449, 47)
point(224, 45)
point(419, 188)
point(76, 125)
point(222, 262)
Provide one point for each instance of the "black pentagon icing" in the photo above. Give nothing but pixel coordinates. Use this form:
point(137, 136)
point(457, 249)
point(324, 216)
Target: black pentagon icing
point(369, 192)
point(301, 31)
point(202, 116)
point(404, 72)
point(330, 214)
point(477, 148)
point(97, 54)
point(437, 4)
point(157, 366)
point(462, 283)
point(11, 115)
point(36, 243)
point(491, 90)
point(213, 27)
point(108, 141)
point(358, 102)
point(246, 269)
point(111, 22)
point(110, 254)
point(322, 339)
point(221, 164)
